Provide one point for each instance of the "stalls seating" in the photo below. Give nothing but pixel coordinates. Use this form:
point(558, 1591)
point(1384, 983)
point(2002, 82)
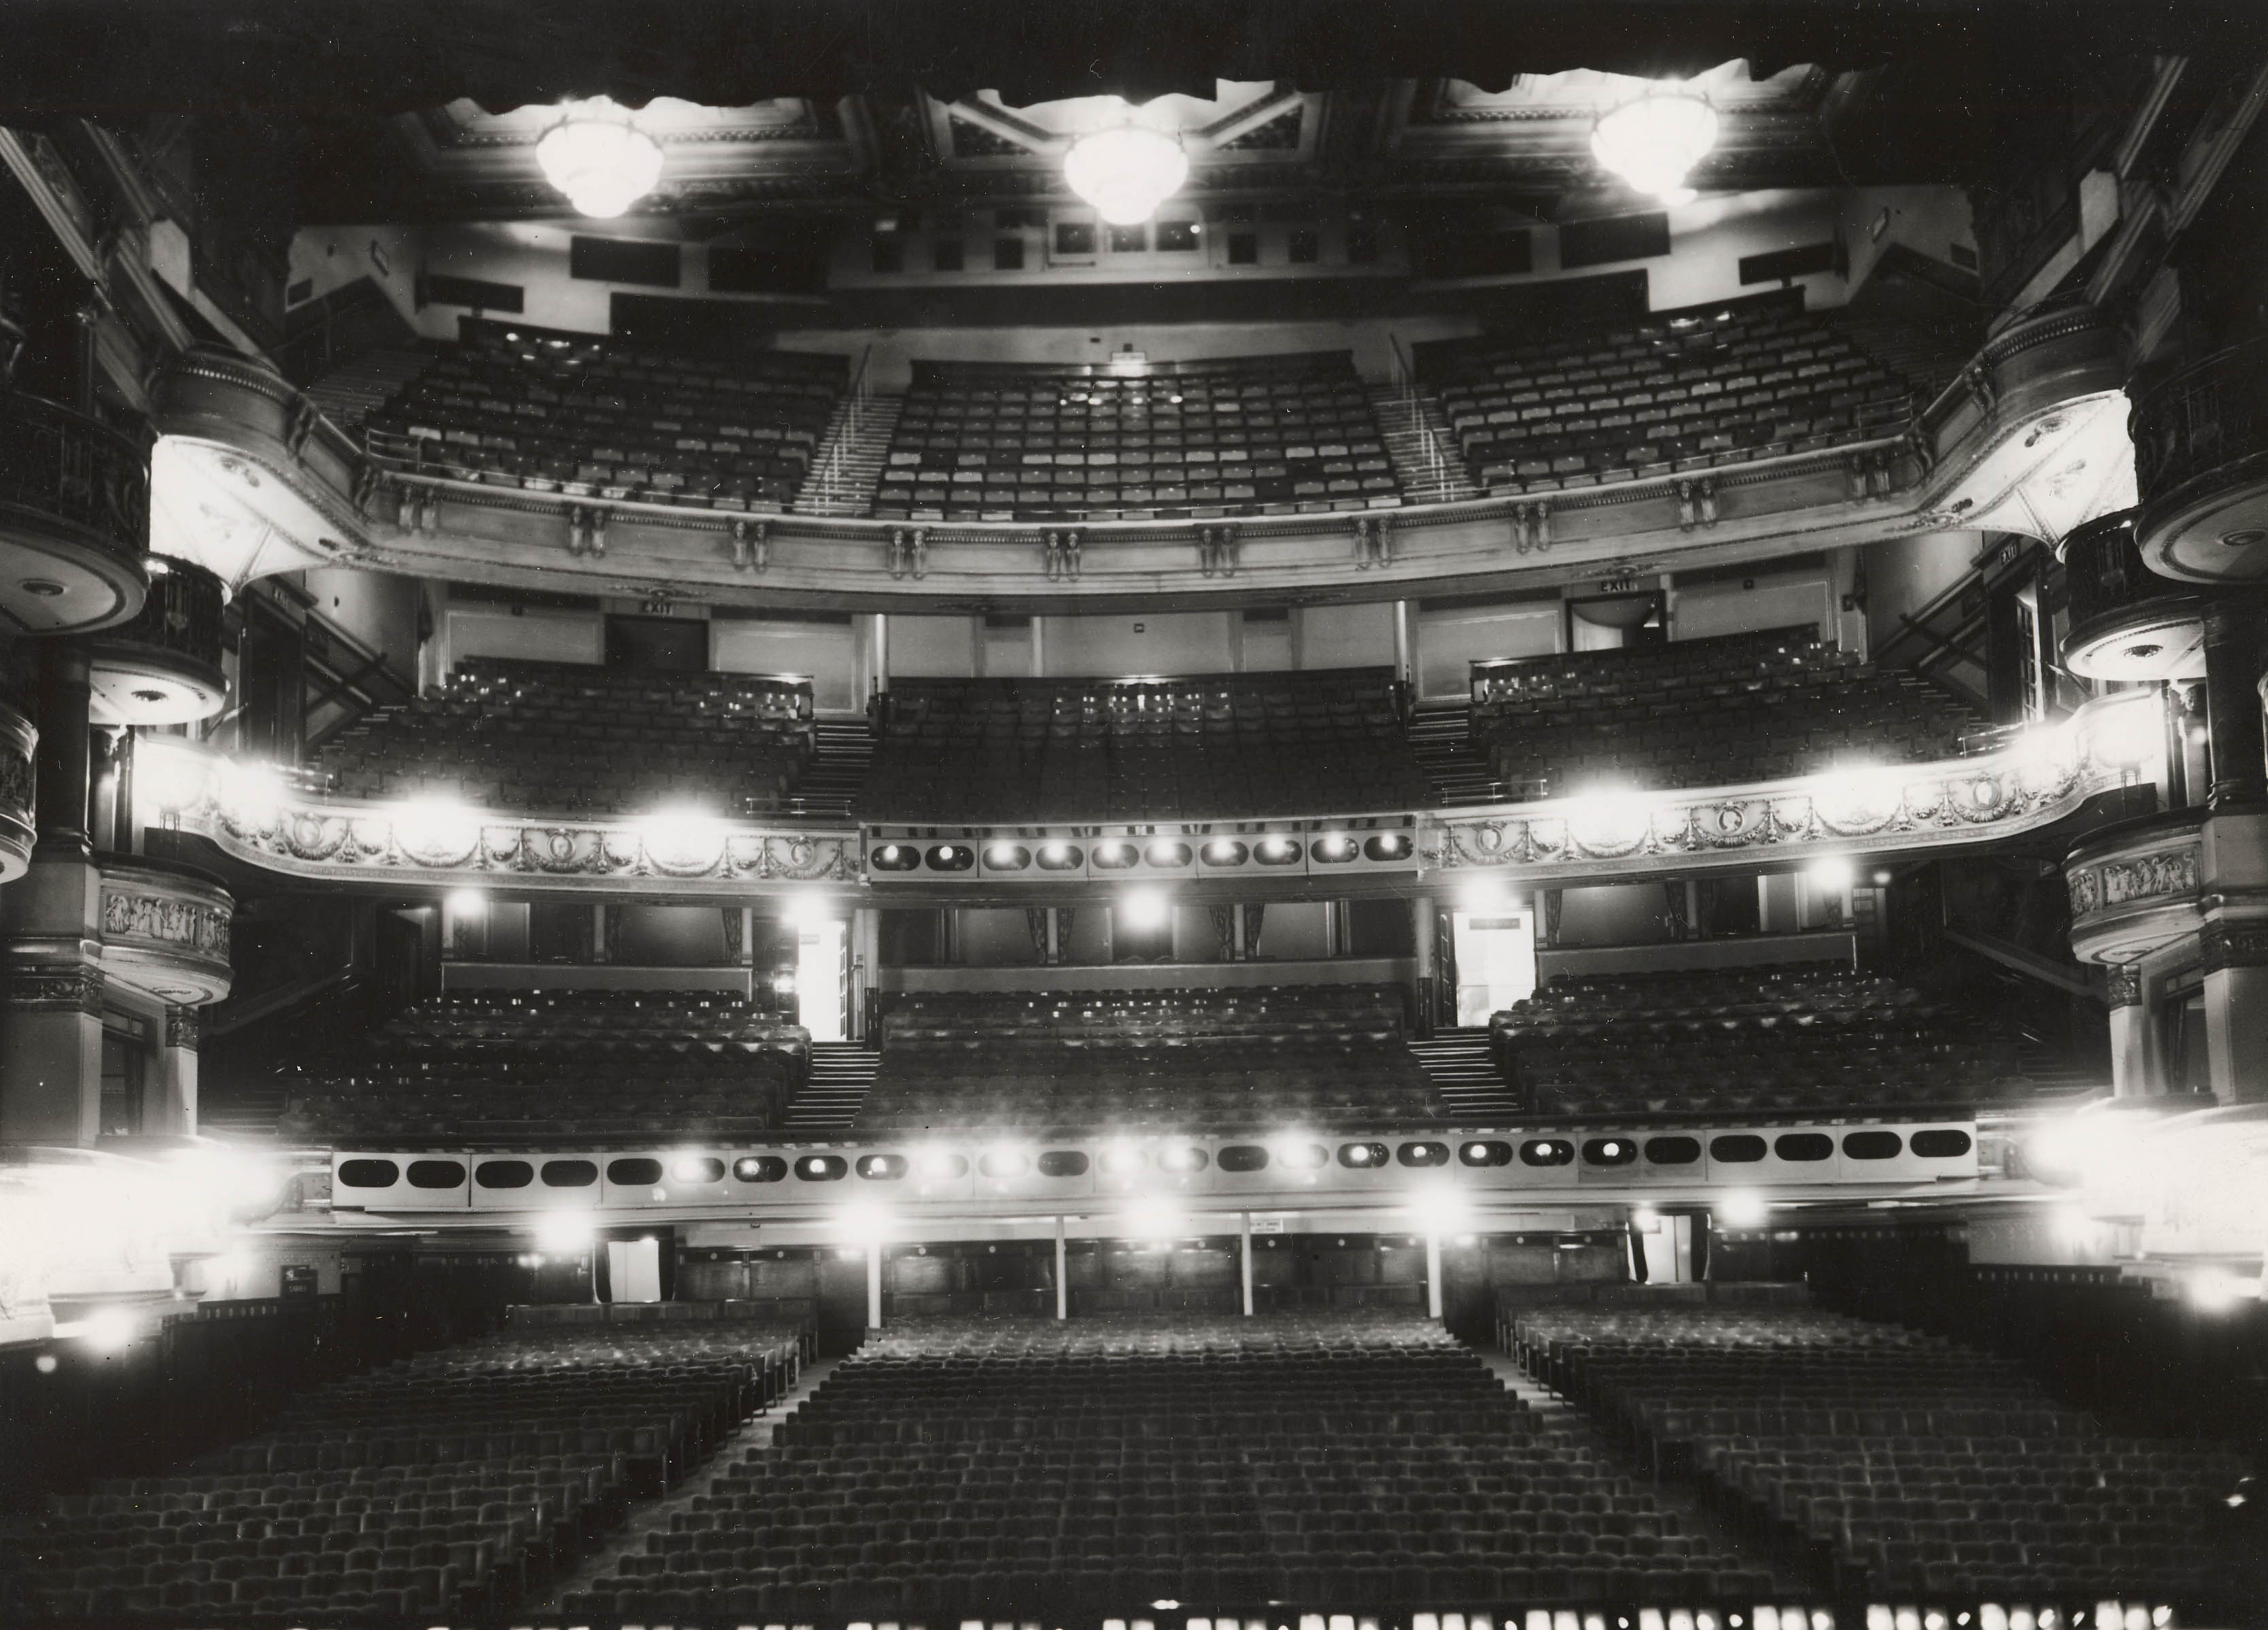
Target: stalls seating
point(1925, 1468)
point(437, 1490)
point(956, 1468)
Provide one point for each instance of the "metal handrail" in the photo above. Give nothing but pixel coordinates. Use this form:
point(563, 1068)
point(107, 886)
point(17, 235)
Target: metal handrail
point(1413, 404)
point(856, 399)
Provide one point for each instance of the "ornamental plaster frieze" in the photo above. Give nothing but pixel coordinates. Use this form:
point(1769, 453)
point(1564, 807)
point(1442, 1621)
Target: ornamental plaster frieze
point(362, 844)
point(251, 815)
point(166, 932)
point(1863, 812)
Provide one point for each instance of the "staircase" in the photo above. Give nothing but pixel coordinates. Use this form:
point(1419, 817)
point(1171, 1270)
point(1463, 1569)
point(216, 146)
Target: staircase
point(841, 1073)
point(351, 393)
point(1441, 736)
point(1463, 1073)
point(851, 451)
point(245, 1108)
point(1426, 461)
point(2053, 1075)
point(842, 749)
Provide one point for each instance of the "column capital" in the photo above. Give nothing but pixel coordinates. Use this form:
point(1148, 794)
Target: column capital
point(2223, 944)
point(2123, 986)
point(54, 985)
point(184, 1027)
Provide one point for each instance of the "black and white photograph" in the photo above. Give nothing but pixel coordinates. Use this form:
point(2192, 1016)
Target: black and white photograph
point(1133, 815)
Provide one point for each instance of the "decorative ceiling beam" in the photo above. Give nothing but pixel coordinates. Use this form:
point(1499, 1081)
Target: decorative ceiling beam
point(1000, 122)
point(1269, 105)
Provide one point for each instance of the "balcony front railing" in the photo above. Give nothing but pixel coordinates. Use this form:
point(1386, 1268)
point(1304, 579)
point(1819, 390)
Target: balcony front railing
point(61, 467)
point(182, 616)
point(2210, 415)
point(2103, 570)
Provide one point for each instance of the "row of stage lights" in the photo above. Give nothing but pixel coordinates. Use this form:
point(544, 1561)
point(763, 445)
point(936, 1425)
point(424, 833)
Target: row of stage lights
point(1435, 1209)
point(1164, 854)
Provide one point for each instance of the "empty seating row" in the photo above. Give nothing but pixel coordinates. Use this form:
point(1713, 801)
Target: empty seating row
point(438, 1489)
point(561, 739)
point(1704, 712)
point(547, 1067)
point(957, 1466)
point(1200, 1087)
point(1215, 746)
point(1924, 1467)
point(588, 416)
point(1747, 1040)
point(1258, 435)
point(1681, 391)
point(1286, 1009)
point(1165, 1061)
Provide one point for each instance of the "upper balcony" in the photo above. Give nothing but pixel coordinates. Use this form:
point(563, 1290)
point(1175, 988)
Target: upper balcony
point(2127, 623)
point(252, 479)
point(2201, 468)
point(74, 517)
point(164, 667)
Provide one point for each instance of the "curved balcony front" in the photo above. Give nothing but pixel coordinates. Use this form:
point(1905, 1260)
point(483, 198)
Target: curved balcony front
point(166, 929)
point(252, 479)
point(19, 825)
point(74, 517)
point(2137, 886)
point(251, 814)
point(2127, 623)
point(164, 667)
point(2201, 468)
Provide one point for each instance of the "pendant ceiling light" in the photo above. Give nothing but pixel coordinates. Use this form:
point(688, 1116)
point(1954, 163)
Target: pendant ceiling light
point(599, 157)
point(1652, 143)
point(1126, 173)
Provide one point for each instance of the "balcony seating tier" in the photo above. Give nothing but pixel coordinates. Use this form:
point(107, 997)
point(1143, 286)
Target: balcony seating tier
point(1208, 747)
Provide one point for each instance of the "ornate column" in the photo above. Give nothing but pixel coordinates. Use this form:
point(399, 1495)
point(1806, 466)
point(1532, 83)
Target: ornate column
point(169, 1105)
point(51, 1032)
point(1423, 976)
point(2232, 680)
point(865, 968)
point(2129, 1036)
point(66, 687)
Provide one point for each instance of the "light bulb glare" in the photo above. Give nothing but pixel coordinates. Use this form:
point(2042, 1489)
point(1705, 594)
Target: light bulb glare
point(601, 160)
point(1651, 142)
point(1126, 173)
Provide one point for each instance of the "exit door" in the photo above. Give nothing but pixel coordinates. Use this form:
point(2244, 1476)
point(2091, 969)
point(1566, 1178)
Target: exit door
point(821, 975)
point(1496, 961)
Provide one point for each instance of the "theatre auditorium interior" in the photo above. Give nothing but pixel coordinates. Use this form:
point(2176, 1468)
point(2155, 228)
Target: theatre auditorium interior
point(837, 815)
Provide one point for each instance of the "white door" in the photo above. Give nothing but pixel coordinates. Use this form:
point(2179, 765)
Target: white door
point(634, 1269)
point(818, 980)
point(1496, 961)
